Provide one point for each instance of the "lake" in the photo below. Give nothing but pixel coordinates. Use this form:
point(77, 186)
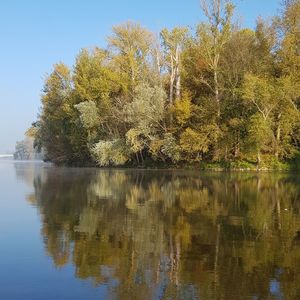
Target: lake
point(70, 233)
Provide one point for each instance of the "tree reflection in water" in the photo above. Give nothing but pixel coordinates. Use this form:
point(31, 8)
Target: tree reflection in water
point(173, 234)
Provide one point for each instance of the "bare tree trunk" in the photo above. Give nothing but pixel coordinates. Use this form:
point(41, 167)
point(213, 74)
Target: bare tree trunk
point(137, 158)
point(258, 160)
point(142, 158)
point(278, 136)
point(237, 146)
point(178, 87)
point(178, 77)
point(158, 64)
point(172, 79)
point(217, 93)
point(171, 91)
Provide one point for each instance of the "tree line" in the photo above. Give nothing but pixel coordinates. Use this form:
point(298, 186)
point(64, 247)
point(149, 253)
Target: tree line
point(219, 93)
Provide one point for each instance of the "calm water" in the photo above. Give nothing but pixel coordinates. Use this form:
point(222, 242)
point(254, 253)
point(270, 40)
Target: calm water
point(115, 234)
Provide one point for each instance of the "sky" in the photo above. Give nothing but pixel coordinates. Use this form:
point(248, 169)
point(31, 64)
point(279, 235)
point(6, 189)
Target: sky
point(35, 34)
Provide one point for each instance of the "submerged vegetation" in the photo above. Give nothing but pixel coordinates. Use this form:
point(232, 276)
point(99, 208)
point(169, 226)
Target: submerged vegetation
point(220, 95)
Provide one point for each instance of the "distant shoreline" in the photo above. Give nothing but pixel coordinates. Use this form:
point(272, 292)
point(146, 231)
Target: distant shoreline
point(6, 155)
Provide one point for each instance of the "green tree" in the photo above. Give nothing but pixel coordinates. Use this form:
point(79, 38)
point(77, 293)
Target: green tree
point(54, 119)
point(131, 45)
point(212, 38)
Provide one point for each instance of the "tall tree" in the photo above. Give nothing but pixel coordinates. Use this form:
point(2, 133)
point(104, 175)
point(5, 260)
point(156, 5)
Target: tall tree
point(54, 119)
point(172, 42)
point(213, 37)
point(131, 45)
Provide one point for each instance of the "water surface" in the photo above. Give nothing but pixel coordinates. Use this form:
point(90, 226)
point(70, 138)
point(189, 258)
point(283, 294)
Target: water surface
point(133, 234)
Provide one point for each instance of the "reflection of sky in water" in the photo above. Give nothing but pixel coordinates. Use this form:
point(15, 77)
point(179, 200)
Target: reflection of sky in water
point(25, 271)
point(275, 289)
point(209, 236)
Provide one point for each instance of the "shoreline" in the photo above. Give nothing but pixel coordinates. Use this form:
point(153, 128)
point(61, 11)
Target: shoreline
point(204, 167)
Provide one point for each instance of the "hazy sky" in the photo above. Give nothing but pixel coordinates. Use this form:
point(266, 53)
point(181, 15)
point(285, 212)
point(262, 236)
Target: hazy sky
point(34, 34)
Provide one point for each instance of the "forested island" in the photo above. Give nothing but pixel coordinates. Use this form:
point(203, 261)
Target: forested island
point(219, 95)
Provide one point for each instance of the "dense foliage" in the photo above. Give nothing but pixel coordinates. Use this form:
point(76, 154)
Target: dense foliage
point(221, 93)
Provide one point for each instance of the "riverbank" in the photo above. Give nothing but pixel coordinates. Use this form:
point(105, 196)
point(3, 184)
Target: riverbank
point(223, 166)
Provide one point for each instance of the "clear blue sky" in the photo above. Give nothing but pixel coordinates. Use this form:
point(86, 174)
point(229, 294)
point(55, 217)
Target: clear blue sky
point(35, 34)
